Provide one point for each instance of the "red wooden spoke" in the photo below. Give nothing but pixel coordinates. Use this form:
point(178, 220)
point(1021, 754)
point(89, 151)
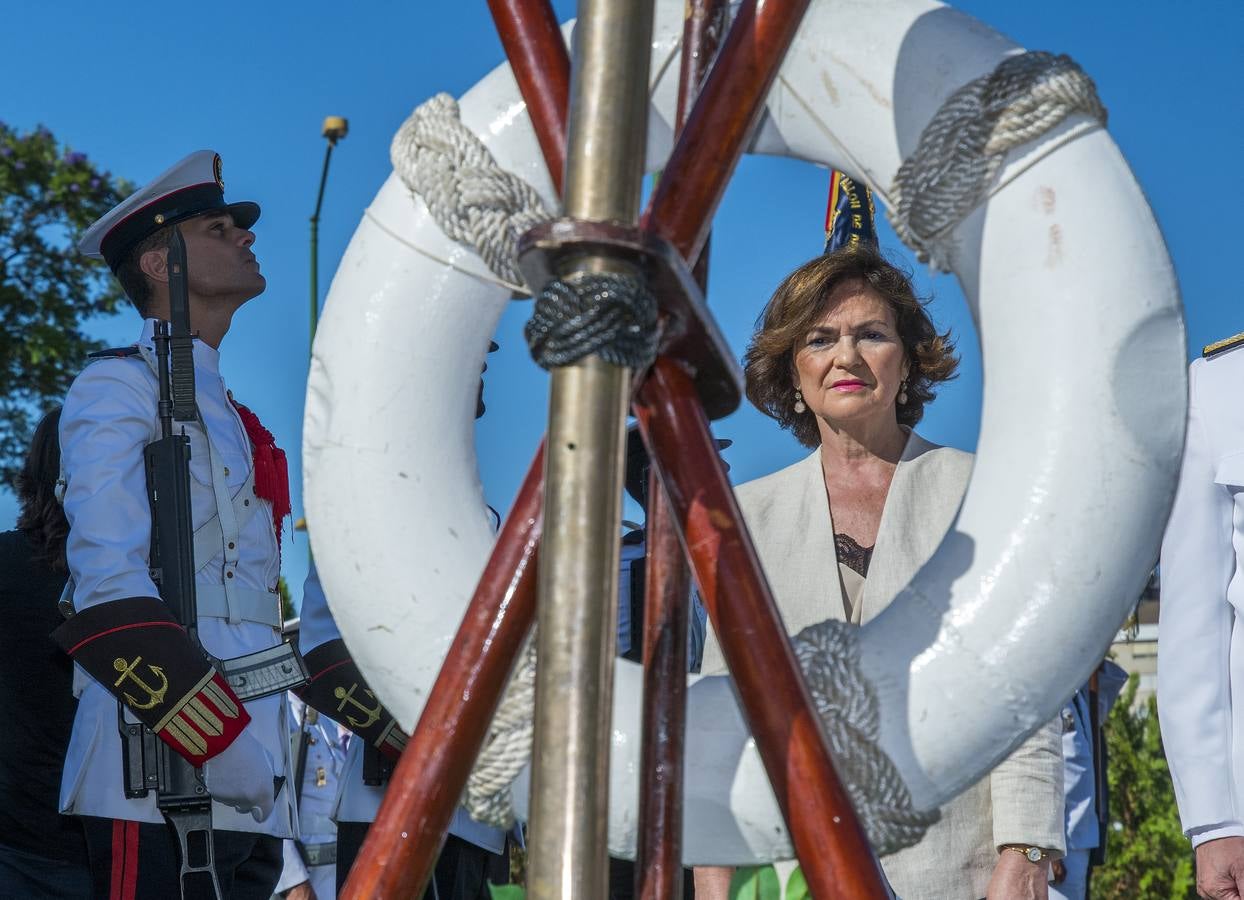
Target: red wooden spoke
point(533, 42)
point(722, 121)
point(402, 845)
point(832, 848)
point(658, 855)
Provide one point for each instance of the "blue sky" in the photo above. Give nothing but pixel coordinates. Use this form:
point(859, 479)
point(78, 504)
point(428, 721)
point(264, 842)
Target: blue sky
point(154, 81)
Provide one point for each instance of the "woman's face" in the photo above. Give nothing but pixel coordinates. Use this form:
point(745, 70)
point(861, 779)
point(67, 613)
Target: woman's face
point(851, 363)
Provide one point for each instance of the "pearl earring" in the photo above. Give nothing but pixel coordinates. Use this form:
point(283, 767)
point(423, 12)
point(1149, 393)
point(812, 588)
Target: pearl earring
point(800, 406)
point(902, 393)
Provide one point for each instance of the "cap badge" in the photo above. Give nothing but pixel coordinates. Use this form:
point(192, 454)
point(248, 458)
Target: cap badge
point(216, 169)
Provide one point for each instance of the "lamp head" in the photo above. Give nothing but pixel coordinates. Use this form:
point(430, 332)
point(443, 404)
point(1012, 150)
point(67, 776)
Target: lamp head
point(335, 128)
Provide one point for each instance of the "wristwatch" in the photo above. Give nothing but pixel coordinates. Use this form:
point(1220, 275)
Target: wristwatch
point(1032, 854)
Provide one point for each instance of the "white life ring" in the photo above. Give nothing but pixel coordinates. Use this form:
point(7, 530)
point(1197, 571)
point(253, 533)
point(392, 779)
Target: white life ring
point(1081, 332)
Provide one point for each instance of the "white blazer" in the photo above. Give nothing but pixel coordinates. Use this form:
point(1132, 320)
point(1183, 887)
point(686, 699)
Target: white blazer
point(787, 513)
point(1200, 642)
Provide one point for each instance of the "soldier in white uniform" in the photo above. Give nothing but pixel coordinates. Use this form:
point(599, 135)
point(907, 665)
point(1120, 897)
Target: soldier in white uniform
point(319, 760)
point(1200, 639)
point(127, 645)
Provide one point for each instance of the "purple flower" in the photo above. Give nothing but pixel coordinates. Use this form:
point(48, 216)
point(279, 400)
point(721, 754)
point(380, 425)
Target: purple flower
point(19, 165)
point(94, 183)
point(6, 151)
point(73, 188)
point(74, 158)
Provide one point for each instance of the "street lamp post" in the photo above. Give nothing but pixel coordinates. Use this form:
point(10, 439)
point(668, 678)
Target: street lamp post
point(334, 129)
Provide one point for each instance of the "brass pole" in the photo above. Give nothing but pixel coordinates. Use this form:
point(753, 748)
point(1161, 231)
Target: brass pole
point(578, 577)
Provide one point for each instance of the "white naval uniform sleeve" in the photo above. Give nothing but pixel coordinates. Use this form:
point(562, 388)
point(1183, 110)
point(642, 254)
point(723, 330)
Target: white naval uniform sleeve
point(315, 622)
point(106, 423)
point(1194, 637)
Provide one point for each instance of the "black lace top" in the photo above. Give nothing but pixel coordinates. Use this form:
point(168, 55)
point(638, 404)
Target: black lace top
point(852, 555)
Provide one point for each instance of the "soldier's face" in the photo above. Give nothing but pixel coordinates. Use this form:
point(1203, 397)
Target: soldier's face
point(220, 260)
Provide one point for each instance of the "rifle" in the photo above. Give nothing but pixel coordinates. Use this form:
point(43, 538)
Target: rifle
point(181, 792)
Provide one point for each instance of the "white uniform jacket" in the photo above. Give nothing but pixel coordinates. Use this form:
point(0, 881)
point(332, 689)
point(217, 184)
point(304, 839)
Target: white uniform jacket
point(1200, 641)
point(110, 415)
point(788, 517)
point(359, 802)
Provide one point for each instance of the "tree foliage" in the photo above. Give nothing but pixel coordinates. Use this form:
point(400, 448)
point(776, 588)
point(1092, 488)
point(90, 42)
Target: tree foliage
point(49, 195)
point(1147, 855)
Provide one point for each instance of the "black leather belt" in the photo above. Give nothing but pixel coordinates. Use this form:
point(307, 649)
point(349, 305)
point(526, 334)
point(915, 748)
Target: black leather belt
point(320, 854)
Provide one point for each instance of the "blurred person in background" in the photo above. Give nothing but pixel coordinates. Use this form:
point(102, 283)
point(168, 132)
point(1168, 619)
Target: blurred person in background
point(42, 853)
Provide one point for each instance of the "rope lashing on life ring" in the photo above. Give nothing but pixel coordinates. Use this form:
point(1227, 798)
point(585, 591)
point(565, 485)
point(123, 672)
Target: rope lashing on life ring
point(507, 745)
point(846, 703)
point(472, 199)
point(959, 152)
point(481, 205)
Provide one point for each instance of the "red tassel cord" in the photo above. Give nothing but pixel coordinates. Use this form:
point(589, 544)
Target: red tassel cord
point(271, 468)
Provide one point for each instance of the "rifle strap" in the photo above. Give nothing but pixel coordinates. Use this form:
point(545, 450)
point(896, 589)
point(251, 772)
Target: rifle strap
point(208, 536)
point(138, 651)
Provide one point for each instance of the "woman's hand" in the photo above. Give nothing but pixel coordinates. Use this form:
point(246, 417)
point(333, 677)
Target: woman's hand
point(712, 882)
point(1015, 878)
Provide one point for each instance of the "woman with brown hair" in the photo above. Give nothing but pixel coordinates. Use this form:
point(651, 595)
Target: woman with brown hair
point(846, 357)
point(42, 853)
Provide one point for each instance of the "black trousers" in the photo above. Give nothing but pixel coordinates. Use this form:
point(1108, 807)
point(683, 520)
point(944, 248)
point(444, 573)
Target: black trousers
point(463, 870)
point(138, 861)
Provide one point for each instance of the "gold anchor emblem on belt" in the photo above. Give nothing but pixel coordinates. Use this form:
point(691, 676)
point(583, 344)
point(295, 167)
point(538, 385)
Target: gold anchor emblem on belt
point(128, 671)
point(348, 697)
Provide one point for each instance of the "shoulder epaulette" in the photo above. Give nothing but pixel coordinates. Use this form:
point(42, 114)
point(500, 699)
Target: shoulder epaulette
point(114, 353)
point(1219, 347)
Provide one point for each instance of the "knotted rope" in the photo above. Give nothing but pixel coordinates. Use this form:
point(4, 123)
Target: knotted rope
point(479, 204)
point(828, 653)
point(472, 199)
point(507, 746)
point(606, 313)
point(959, 152)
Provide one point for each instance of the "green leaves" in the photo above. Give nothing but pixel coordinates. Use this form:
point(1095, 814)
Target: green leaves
point(761, 883)
point(49, 195)
point(797, 886)
point(755, 883)
point(507, 891)
point(1147, 856)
